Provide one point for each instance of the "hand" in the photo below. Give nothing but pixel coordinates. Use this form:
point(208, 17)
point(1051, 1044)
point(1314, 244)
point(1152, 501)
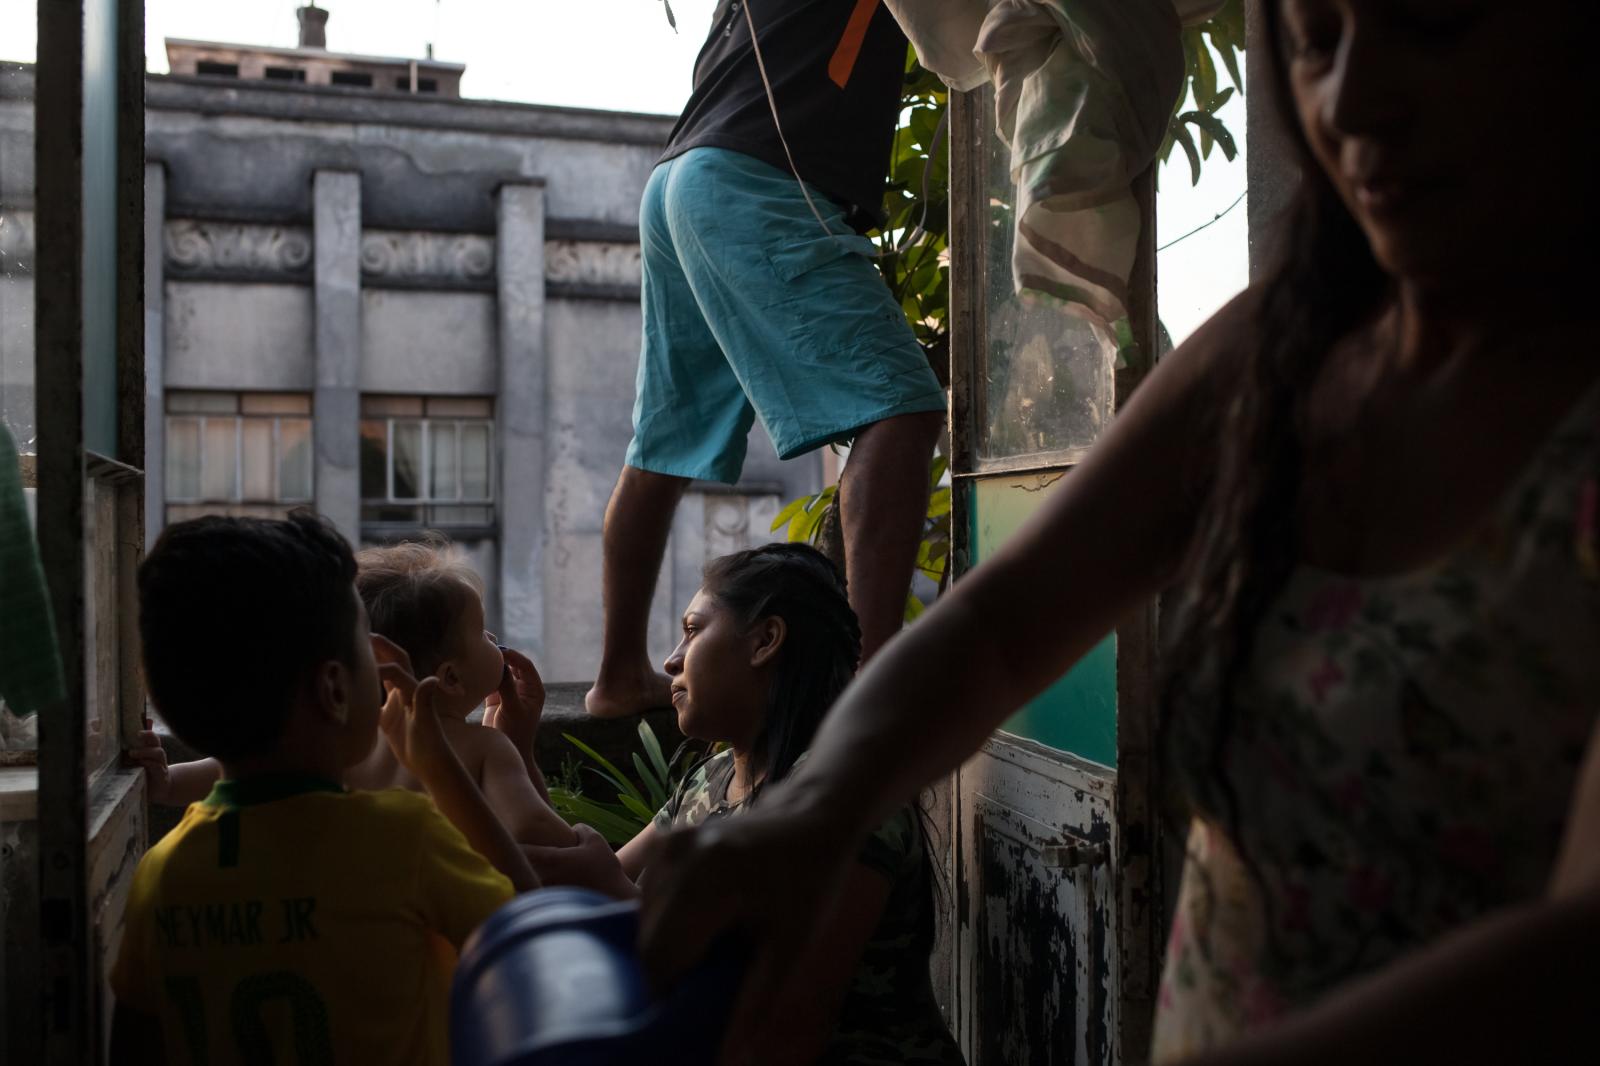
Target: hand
point(772, 873)
point(410, 722)
point(149, 754)
point(589, 864)
point(516, 707)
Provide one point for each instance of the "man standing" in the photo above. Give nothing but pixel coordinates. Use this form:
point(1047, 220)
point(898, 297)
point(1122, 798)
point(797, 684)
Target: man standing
point(761, 298)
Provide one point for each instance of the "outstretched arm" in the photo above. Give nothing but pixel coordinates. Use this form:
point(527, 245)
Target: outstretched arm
point(513, 796)
point(176, 785)
point(1112, 535)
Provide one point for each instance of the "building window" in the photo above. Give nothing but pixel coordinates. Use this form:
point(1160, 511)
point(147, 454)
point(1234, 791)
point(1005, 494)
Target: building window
point(427, 461)
point(285, 74)
point(237, 453)
point(217, 70)
point(351, 78)
point(424, 85)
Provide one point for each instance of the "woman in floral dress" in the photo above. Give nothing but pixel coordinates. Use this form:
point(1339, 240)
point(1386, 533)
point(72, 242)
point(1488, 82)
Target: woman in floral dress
point(1372, 479)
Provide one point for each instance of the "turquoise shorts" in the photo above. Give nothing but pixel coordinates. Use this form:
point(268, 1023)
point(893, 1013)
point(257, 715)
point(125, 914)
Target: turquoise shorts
point(751, 309)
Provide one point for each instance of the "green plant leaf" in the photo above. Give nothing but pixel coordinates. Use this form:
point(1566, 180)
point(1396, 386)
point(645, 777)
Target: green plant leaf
point(656, 791)
point(641, 810)
point(1186, 141)
point(607, 770)
point(617, 828)
point(1212, 125)
point(652, 748)
point(790, 509)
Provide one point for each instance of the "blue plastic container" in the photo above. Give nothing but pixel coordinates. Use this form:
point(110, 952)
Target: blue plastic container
point(553, 979)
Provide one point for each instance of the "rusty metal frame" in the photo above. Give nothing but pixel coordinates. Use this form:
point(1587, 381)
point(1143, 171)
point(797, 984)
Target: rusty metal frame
point(58, 369)
point(71, 1029)
point(1136, 869)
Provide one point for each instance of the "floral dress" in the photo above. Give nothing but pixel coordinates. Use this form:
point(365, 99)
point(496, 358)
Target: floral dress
point(1403, 756)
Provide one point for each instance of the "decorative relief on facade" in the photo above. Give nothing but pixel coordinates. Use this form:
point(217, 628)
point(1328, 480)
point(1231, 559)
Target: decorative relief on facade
point(408, 256)
point(591, 263)
point(735, 522)
point(16, 241)
point(396, 257)
point(194, 247)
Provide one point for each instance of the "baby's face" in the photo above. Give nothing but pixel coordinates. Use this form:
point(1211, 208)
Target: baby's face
point(475, 658)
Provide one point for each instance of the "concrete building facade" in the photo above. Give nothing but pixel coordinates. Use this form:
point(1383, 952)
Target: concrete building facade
point(408, 310)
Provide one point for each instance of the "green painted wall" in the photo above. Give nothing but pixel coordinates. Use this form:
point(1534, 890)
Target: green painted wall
point(1078, 714)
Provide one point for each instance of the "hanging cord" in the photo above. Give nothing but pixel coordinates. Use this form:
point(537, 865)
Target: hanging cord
point(917, 231)
point(772, 102)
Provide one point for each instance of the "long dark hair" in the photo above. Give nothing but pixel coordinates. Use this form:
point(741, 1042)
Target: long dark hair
point(821, 645)
point(1325, 283)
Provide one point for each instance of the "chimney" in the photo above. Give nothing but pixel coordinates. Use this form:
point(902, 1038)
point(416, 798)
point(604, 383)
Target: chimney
point(313, 26)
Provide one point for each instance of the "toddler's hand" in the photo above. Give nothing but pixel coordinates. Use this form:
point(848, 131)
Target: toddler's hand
point(411, 726)
point(148, 753)
point(516, 708)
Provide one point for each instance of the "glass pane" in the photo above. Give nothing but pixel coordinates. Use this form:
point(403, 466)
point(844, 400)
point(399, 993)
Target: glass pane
point(17, 234)
point(255, 459)
point(219, 458)
point(294, 459)
point(100, 226)
point(407, 460)
point(1046, 383)
point(460, 407)
point(476, 441)
point(183, 458)
point(374, 459)
point(442, 440)
point(203, 403)
point(275, 403)
point(391, 406)
point(1077, 714)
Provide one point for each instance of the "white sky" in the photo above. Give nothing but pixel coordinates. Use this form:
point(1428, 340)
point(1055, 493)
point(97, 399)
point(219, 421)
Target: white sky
point(621, 55)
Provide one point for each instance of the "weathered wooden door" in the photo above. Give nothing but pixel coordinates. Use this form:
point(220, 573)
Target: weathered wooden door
point(1052, 923)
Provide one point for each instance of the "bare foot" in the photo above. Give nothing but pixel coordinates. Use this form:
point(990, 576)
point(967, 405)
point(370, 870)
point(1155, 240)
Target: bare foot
point(621, 696)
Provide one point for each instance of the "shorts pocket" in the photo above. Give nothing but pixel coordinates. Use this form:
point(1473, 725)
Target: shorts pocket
point(801, 257)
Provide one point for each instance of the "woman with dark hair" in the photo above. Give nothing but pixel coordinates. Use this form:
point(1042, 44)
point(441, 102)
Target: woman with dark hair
point(1375, 478)
point(769, 642)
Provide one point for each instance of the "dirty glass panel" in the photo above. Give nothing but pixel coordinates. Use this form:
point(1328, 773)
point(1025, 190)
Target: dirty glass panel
point(183, 458)
point(255, 459)
point(374, 459)
point(219, 458)
point(100, 226)
point(1078, 714)
point(1045, 382)
point(17, 235)
point(407, 460)
point(442, 441)
point(294, 459)
point(475, 444)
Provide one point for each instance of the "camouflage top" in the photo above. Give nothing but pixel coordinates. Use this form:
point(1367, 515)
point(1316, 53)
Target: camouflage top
point(888, 1015)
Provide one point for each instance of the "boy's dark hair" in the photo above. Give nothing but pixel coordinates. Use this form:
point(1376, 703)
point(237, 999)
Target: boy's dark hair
point(415, 592)
point(235, 615)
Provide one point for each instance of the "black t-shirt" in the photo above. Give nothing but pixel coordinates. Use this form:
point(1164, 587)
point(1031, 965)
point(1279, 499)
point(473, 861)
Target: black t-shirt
point(836, 68)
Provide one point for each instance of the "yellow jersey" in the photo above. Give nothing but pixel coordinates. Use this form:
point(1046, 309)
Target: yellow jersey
point(290, 921)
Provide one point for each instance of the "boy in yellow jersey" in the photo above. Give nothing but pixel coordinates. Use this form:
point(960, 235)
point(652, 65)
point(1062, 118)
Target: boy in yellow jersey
point(286, 919)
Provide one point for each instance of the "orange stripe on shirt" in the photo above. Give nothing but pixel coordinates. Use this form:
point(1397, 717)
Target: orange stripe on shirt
point(855, 32)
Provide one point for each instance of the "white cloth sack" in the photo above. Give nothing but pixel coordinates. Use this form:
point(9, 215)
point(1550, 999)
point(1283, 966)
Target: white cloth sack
point(1083, 93)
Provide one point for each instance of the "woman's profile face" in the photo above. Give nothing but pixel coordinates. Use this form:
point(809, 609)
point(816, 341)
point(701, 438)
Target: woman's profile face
point(718, 690)
point(1453, 130)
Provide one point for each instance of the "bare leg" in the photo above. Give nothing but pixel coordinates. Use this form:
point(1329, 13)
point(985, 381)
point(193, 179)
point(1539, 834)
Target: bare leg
point(638, 520)
point(883, 499)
